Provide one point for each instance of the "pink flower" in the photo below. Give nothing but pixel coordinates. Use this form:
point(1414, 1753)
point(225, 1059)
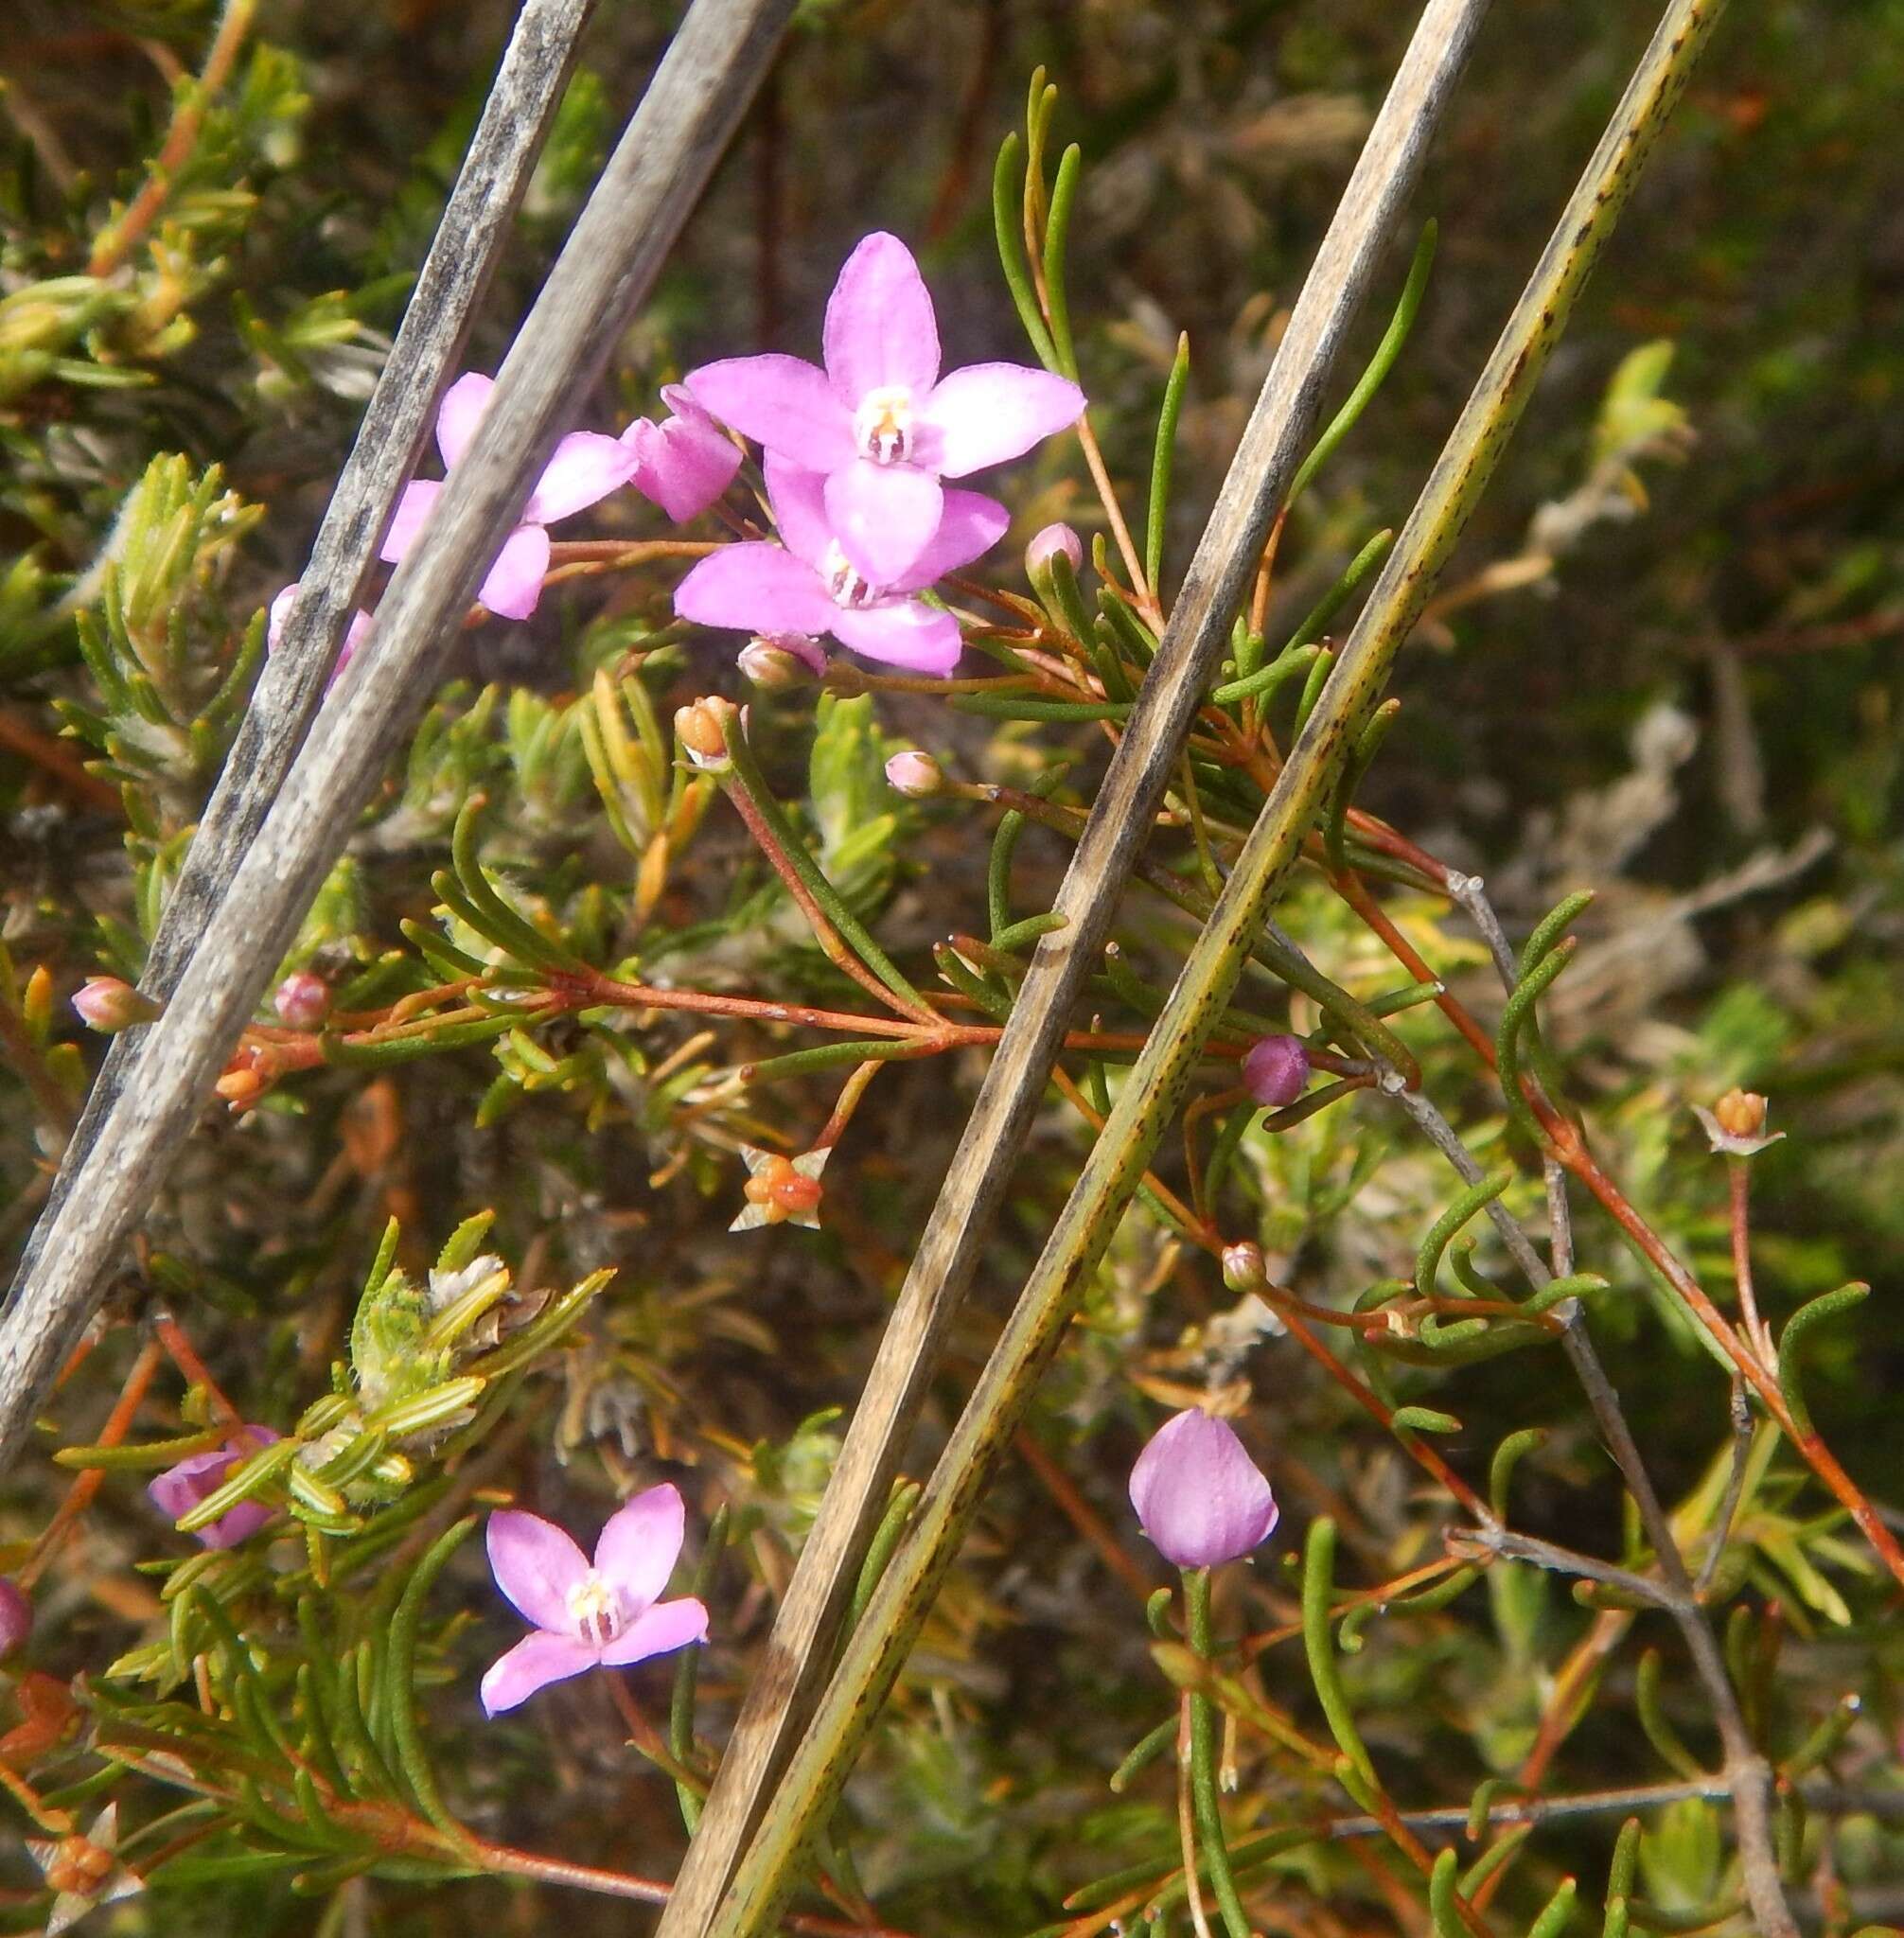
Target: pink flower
point(585, 469)
point(879, 422)
point(280, 615)
point(1199, 1495)
point(180, 1489)
point(609, 1613)
point(684, 463)
point(809, 585)
point(1275, 1071)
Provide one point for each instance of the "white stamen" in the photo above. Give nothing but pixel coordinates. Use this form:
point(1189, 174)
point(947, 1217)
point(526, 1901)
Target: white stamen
point(848, 587)
point(596, 1608)
point(882, 425)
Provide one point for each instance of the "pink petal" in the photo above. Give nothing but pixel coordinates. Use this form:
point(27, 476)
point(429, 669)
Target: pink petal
point(407, 520)
point(1199, 1495)
point(180, 1488)
point(668, 1624)
point(756, 588)
point(880, 328)
point(901, 632)
point(535, 1564)
point(969, 527)
point(883, 516)
point(535, 1662)
point(585, 466)
point(459, 413)
point(988, 413)
point(514, 584)
point(685, 463)
point(642, 1542)
point(279, 617)
point(355, 635)
point(784, 403)
point(797, 497)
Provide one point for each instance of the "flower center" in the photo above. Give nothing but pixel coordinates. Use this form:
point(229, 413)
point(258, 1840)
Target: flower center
point(882, 425)
point(847, 587)
point(596, 1608)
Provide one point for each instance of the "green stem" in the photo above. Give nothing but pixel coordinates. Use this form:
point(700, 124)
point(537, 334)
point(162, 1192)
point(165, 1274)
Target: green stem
point(1202, 1762)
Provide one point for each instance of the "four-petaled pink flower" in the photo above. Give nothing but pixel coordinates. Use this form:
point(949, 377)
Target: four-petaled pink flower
point(809, 584)
point(685, 462)
point(1200, 1497)
point(180, 1489)
point(586, 467)
point(879, 422)
point(609, 1613)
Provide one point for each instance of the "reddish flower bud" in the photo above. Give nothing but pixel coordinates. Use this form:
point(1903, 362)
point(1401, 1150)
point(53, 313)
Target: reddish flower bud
point(1243, 1268)
point(1275, 1071)
point(302, 999)
point(916, 775)
point(779, 662)
point(109, 1004)
point(1048, 544)
point(16, 1615)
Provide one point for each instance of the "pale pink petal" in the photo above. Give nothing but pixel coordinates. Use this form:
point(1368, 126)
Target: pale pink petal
point(535, 1662)
point(354, 637)
point(535, 1564)
point(901, 632)
point(784, 403)
point(459, 413)
point(988, 413)
point(970, 525)
point(685, 463)
point(1200, 1497)
point(755, 588)
point(666, 1626)
point(407, 520)
point(880, 328)
point(585, 469)
point(797, 497)
point(883, 516)
point(640, 1545)
point(279, 617)
point(180, 1488)
point(515, 581)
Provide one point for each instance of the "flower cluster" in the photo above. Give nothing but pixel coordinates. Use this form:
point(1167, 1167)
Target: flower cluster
point(855, 458)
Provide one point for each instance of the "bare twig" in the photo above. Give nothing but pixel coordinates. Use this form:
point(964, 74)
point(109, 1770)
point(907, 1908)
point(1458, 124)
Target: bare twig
point(960, 1227)
point(657, 170)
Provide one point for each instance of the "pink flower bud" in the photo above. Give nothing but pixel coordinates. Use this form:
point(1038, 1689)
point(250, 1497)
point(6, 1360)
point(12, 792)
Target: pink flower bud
point(108, 1004)
point(1243, 1269)
point(302, 999)
point(180, 1489)
point(916, 775)
point(1045, 545)
point(779, 662)
point(1275, 1071)
point(16, 1617)
point(1198, 1496)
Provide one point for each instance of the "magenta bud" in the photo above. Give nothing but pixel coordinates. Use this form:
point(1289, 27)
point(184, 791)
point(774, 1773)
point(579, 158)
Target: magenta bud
point(1198, 1494)
point(1275, 1071)
point(1045, 545)
point(782, 661)
point(108, 1004)
point(1243, 1268)
point(916, 775)
point(302, 999)
point(16, 1615)
point(180, 1489)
